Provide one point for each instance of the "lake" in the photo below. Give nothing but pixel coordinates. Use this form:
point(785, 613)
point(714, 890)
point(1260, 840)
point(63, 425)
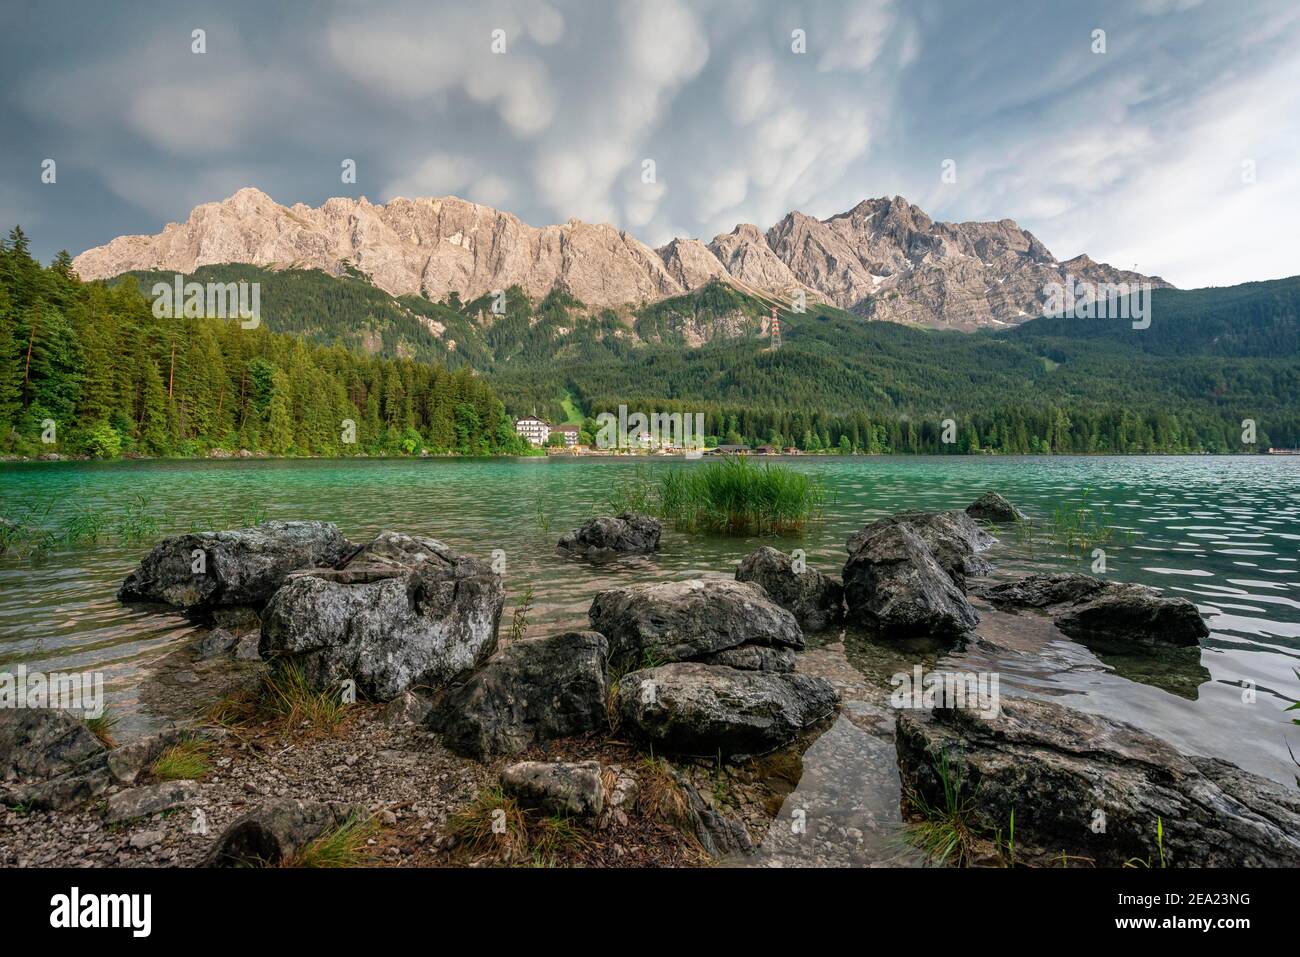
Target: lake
point(1222, 531)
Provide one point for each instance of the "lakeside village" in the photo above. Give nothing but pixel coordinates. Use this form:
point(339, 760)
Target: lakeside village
point(659, 433)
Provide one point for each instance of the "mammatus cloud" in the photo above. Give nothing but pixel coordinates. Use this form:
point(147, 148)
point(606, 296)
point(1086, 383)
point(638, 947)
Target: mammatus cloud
point(1173, 149)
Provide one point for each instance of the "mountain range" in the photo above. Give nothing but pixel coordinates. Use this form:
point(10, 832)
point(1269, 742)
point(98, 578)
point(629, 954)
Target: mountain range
point(883, 259)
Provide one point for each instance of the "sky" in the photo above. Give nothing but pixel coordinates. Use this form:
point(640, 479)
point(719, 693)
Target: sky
point(1168, 142)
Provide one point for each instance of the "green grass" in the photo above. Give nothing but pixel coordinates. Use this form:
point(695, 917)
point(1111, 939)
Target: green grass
point(733, 496)
point(185, 761)
point(1082, 525)
point(519, 620)
point(944, 833)
point(348, 845)
point(1160, 849)
point(572, 414)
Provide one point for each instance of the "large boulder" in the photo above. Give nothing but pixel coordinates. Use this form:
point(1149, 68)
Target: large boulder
point(894, 585)
point(815, 600)
point(679, 621)
point(598, 538)
point(953, 537)
point(992, 507)
point(240, 567)
point(401, 612)
point(557, 787)
point(43, 743)
point(274, 833)
point(1108, 615)
point(530, 691)
point(704, 710)
point(1093, 788)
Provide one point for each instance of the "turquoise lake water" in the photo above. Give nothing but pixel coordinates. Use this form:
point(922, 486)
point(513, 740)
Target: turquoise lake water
point(1222, 531)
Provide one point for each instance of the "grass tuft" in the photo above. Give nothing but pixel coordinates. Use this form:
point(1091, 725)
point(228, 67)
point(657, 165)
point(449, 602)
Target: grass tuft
point(491, 824)
point(102, 726)
point(733, 496)
point(284, 696)
point(348, 845)
point(660, 797)
point(187, 760)
point(943, 834)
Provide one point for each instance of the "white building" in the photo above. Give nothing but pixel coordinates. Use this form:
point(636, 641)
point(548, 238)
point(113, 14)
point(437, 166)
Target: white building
point(535, 430)
point(570, 433)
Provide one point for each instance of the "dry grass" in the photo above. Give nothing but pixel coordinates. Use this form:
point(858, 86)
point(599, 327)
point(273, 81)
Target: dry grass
point(495, 826)
point(660, 797)
point(285, 698)
point(102, 727)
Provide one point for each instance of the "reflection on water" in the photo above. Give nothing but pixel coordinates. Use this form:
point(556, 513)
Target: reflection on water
point(1224, 532)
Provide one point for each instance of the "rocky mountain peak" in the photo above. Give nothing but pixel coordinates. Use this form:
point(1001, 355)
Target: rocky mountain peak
point(884, 258)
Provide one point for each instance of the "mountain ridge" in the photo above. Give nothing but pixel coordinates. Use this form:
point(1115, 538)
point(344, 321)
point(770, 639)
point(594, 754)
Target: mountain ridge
point(883, 259)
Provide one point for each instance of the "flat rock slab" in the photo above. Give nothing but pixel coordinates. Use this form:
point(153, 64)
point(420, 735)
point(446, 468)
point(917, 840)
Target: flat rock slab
point(697, 709)
point(242, 566)
point(402, 612)
point(150, 799)
point(1063, 771)
point(555, 787)
point(683, 620)
point(43, 742)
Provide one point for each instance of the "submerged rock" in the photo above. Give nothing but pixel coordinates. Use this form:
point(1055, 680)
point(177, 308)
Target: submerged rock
point(240, 567)
point(697, 709)
point(894, 585)
point(1040, 591)
point(274, 833)
point(992, 507)
point(815, 600)
point(1108, 615)
point(401, 612)
point(629, 534)
point(556, 787)
point(953, 538)
point(1062, 772)
point(530, 691)
point(678, 621)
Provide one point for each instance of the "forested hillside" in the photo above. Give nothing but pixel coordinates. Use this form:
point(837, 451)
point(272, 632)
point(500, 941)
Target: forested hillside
point(89, 367)
point(332, 348)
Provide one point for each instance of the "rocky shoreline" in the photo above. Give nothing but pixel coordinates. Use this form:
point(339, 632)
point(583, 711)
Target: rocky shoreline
point(360, 696)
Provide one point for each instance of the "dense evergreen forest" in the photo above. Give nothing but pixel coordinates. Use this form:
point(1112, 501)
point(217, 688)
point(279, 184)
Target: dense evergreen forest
point(86, 368)
point(115, 379)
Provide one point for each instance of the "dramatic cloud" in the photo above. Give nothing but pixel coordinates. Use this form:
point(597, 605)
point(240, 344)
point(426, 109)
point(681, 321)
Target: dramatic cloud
point(1175, 149)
